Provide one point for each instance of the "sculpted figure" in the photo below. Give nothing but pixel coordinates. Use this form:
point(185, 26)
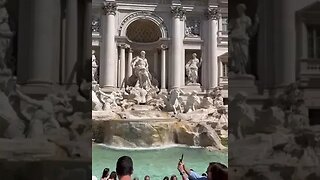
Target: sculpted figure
point(5, 34)
point(192, 69)
point(193, 101)
point(140, 68)
point(242, 115)
point(96, 102)
point(175, 101)
point(94, 67)
point(41, 114)
point(242, 30)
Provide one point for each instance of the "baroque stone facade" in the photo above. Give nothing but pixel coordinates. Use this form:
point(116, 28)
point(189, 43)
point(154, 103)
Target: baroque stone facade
point(170, 33)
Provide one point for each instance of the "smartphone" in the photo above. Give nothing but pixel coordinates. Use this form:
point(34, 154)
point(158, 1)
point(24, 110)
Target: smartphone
point(181, 158)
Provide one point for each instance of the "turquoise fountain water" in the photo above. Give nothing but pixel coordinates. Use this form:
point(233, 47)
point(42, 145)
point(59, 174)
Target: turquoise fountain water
point(156, 163)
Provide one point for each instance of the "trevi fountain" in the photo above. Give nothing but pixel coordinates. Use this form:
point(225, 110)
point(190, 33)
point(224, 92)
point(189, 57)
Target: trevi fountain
point(147, 124)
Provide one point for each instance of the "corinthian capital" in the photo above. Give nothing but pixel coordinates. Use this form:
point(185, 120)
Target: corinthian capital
point(109, 8)
point(178, 12)
point(213, 13)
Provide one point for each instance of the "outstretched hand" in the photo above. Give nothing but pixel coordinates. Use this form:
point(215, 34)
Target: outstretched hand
point(180, 166)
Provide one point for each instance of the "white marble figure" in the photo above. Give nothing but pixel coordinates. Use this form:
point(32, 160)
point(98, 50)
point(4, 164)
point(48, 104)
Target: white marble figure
point(241, 30)
point(193, 101)
point(110, 100)
point(175, 101)
point(206, 102)
point(192, 69)
point(140, 68)
point(242, 115)
point(5, 33)
point(94, 67)
point(41, 115)
point(137, 94)
point(96, 102)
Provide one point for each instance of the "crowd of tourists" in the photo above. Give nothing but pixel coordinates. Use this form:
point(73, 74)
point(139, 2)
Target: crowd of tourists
point(124, 171)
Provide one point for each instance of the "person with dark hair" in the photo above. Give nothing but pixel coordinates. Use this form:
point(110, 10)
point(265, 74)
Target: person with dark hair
point(105, 174)
point(215, 171)
point(124, 168)
point(166, 178)
point(147, 177)
point(173, 177)
point(113, 176)
point(204, 174)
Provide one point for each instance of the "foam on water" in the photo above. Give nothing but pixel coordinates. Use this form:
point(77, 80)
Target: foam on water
point(148, 148)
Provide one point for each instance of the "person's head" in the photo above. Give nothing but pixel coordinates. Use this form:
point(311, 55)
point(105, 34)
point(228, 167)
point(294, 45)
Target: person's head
point(203, 174)
point(194, 55)
point(166, 178)
point(113, 175)
point(217, 171)
point(143, 54)
point(173, 177)
point(105, 173)
point(241, 8)
point(124, 166)
point(147, 177)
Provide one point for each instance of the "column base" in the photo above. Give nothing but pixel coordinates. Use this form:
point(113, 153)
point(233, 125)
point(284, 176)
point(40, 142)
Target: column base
point(163, 90)
point(108, 89)
point(242, 83)
point(37, 88)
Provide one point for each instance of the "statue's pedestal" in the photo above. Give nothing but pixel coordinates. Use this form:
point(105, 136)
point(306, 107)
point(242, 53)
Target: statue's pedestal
point(192, 87)
point(242, 83)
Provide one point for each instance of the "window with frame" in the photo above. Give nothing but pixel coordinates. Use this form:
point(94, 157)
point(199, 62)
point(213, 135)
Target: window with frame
point(313, 41)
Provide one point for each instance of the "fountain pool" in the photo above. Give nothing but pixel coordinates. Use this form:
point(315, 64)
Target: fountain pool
point(156, 163)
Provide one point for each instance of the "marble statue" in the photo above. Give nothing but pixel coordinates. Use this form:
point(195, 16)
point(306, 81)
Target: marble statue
point(193, 101)
point(175, 101)
point(41, 114)
point(206, 102)
point(96, 102)
point(94, 67)
point(241, 30)
point(140, 68)
point(5, 34)
point(192, 69)
point(242, 116)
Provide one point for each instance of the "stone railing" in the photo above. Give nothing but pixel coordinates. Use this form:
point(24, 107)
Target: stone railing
point(309, 67)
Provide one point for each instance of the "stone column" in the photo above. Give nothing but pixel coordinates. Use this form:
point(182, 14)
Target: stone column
point(108, 46)
point(129, 68)
point(175, 69)
point(163, 66)
point(70, 66)
point(155, 62)
point(213, 17)
point(122, 64)
point(39, 42)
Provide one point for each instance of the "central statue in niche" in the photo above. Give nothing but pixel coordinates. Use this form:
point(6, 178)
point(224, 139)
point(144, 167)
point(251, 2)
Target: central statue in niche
point(140, 68)
point(141, 77)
